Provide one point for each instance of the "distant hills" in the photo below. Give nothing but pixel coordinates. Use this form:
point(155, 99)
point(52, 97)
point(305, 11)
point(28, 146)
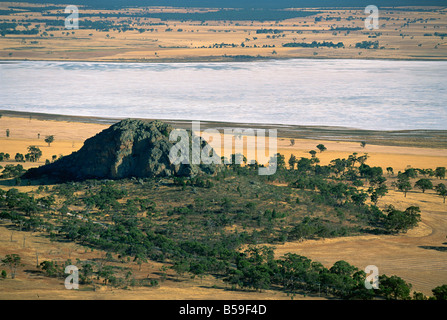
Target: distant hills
point(244, 3)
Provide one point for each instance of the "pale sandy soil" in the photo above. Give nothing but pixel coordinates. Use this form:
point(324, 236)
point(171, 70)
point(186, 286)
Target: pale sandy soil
point(419, 256)
point(69, 137)
point(399, 158)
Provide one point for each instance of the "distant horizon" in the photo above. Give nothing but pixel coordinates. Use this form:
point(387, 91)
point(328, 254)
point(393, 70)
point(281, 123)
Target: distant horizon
point(241, 4)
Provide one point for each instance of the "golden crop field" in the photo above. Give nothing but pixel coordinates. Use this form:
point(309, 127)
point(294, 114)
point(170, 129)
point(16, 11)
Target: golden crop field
point(404, 33)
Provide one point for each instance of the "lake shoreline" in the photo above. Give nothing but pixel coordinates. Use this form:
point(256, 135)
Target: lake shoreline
point(409, 138)
point(223, 59)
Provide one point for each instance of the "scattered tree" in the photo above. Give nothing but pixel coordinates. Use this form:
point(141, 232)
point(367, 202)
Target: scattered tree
point(280, 161)
point(403, 184)
point(292, 161)
point(401, 221)
point(13, 261)
point(390, 170)
point(411, 173)
point(424, 184)
point(440, 172)
point(19, 157)
point(321, 147)
point(394, 287)
point(441, 190)
point(49, 139)
point(440, 292)
point(419, 296)
point(34, 153)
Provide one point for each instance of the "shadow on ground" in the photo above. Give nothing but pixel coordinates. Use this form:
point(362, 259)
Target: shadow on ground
point(437, 248)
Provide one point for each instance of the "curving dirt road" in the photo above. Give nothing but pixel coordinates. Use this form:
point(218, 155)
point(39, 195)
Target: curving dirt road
point(419, 256)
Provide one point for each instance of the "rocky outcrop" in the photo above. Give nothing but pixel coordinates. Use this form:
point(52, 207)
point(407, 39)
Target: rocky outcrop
point(130, 148)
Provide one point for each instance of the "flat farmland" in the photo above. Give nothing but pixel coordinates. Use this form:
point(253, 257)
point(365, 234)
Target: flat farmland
point(133, 35)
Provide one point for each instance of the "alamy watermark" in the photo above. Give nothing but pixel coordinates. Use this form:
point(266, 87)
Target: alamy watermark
point(72, 281)
point(372, 21)
point(372, 278)
point(72, 21)
point(254, 141)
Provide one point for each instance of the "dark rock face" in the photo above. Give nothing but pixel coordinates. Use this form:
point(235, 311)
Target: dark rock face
point(130, 148)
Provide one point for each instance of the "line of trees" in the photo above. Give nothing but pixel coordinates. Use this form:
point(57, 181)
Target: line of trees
point(4, 156)
point(12, 171)
point(273, 31)
point(257, 269)
point(10, 28)
point(33, 155)
point(314, 44)
point(403, 182)
point(367, 45)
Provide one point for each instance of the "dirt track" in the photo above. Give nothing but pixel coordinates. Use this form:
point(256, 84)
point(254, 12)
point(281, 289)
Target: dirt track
point(419, 257)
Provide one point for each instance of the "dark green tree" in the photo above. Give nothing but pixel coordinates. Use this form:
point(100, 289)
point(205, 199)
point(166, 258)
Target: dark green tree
point(394, 288)
point(401, 221)
point(338, 166)
point(440, 172)
point(34, 153)
point(280, 161)
point(86, 273)
point(50, 268)
point(49, 140)
point(403, 183)
point(441, 190)
point(380, 191)
point(304, 165)
point(19, 157)
point(292, 161)
point(12, 261)
point(359, 198)
point(440, 292)
point(424, 184)
point(419, 296)
point(410, 173)
point(321, 147)
point(390, 170)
